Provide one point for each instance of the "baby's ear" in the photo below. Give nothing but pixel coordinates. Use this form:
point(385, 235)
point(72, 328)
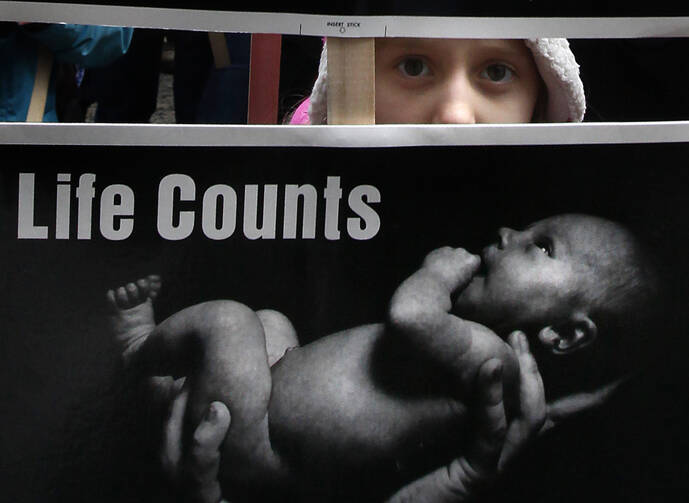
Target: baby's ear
point(578, 332)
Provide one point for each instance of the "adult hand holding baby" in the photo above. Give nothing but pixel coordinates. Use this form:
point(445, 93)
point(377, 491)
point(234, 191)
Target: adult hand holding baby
point(195, 476)
point(495, 443)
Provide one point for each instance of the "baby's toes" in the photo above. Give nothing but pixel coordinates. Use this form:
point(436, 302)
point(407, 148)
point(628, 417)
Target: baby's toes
point(111, 299)
point(153, 285)
point(135, 295)
point(118, 298)
point(124, 297)
point(143, 286)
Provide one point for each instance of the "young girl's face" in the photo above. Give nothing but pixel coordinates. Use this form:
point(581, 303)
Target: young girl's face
point(454, 81)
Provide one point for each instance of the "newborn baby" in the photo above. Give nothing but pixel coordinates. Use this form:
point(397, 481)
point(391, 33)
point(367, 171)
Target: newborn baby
point(356, 414)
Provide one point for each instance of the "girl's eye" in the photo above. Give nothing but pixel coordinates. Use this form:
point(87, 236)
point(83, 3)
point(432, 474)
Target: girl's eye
point(497, 73)
point(413, 67)
point(545, 245)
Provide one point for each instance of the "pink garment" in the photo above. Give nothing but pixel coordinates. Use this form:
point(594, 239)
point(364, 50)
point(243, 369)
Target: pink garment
point(301, 114)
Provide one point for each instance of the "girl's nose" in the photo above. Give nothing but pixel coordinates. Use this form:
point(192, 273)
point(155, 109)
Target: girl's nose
point(505, 236)
point(455, 112)
point(456, 101)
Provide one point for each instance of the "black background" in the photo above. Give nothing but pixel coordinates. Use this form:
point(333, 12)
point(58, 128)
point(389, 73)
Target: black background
point(72, 428)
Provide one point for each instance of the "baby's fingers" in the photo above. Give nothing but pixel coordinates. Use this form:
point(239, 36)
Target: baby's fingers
point(450, 262)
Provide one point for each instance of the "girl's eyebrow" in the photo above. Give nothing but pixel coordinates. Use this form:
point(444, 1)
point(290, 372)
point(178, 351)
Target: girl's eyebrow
point(404, 43)
point(503, 49)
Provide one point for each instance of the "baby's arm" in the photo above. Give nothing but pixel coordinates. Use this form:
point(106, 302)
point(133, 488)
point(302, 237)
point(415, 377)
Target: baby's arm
point(420, 313)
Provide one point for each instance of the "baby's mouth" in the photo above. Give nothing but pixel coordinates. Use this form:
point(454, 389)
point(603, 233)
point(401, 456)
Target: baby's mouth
point(483, 267)
point(486, 259)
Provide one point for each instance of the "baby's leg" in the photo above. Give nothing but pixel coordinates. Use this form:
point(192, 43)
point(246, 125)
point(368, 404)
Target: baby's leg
point(132, 319)
point(280, 334)
point(221, 346)
point(225, 349)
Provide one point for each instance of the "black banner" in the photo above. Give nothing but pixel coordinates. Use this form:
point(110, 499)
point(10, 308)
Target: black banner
point(221, 223)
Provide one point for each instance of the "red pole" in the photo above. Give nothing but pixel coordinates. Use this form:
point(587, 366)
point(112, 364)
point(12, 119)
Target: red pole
point(264, 78)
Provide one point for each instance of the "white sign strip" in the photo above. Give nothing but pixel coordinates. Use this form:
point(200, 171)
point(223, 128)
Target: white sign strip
point(544, 27)
point(341, 136)
point(346, 26)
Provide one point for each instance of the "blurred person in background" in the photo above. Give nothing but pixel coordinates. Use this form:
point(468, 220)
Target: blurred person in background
point(29, 53)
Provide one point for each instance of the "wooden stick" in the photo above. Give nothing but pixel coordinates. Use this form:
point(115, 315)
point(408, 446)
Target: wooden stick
point(39, 95)
point(264, 78)
point(221, 56)
point(351, 81)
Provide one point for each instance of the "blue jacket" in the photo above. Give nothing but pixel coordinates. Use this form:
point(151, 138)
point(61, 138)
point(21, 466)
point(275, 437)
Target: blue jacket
point(87, 46)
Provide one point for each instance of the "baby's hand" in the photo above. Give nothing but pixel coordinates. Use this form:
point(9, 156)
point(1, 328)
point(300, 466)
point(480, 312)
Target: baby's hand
point(454, 267)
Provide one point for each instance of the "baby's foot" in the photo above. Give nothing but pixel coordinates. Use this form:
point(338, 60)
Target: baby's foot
point(131, 313)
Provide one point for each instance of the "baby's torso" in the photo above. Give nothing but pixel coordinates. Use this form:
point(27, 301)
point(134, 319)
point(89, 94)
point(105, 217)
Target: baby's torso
point(354, 405)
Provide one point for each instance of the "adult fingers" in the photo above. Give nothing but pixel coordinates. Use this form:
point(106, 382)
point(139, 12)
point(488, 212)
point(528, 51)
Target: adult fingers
point(531, 391)
point(491, 420)
point(577, 403)
point(171, 452)
point(203, 462)
point(460, 480)
point(466, 474)
point(532, 404)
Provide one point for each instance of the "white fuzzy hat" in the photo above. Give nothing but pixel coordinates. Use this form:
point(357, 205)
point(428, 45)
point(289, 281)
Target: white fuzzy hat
point(554, 60)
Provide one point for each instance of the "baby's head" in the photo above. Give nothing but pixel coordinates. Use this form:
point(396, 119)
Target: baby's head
point(570, 282)
point(454, 81)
